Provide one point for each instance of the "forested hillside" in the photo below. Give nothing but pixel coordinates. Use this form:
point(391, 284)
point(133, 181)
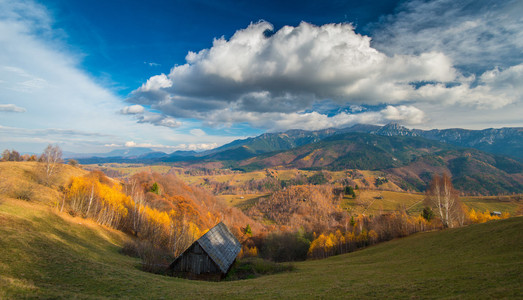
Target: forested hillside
point(411, 160)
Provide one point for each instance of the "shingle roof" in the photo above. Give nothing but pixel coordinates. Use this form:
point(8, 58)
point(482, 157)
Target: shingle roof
point(221, 245)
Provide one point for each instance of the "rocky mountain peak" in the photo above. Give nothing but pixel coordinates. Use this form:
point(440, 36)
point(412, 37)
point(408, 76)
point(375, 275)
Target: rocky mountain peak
point(394, 129)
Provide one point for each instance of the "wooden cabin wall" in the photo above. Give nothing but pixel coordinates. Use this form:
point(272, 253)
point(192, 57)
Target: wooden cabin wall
point(196, 261)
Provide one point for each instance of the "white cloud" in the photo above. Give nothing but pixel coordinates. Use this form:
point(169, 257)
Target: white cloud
point(194, 147)
point(494, 89)
point(147, 117)
point(39, 73)
point(156, 82)
point(197, 132)
point(289, 71)
point(132, 110)
point(159, 120)
point(274, 82)
point(152, 64)
point(404, 114)
point(12, 108)
point(275, 121)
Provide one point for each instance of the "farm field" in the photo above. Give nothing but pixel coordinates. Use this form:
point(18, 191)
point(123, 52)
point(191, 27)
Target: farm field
point(372, 202)
point(49, 255)
point(242, 202)
point(237, 177)
point(378, 201)
point(511, 204)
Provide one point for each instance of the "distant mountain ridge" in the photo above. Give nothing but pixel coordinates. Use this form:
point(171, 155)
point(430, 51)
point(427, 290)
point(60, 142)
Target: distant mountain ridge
point(124, 153)
point(409, 161)
point(504, 141)
point(408, 156)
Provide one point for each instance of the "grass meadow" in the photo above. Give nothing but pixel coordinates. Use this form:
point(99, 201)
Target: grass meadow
point(45, 254)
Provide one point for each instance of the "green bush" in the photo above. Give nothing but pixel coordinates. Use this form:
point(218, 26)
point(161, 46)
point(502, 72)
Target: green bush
point(349, 190)
point(286, 246)
point(427, 214)
point(253, 267)
point(155, 189)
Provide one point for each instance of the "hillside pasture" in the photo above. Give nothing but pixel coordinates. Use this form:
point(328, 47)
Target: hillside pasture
point(243, 202)
point(44, 254)
point(20, 180)
point(513, 204)
point(373, 202)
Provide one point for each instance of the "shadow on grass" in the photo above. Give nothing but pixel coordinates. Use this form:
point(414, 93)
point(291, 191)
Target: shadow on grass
point(254, 267)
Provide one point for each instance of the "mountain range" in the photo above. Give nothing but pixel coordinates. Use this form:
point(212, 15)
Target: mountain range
point(488, 161)
point(505, 141)
point(409, 161)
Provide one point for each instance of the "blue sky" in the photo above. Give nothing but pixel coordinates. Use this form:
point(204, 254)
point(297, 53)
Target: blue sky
point(93, 76)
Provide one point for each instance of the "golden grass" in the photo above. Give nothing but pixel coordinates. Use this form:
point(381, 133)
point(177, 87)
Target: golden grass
point(17, 178)
point(510, 204)
point(376, 202)
point(244, 201)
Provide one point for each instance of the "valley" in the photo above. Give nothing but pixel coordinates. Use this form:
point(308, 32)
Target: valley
point(370, 198)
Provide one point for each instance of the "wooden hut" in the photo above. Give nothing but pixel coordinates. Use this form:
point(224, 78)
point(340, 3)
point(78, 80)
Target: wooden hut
point(210, 257)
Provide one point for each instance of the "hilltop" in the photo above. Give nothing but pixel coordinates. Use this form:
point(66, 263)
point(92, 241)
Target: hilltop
point(19, 180)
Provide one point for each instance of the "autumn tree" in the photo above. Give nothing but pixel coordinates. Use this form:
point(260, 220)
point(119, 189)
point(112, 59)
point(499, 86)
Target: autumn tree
point(11, 155)
point(50, 162)
point(6, 154)
point(72, 162)
point(444, 200)
point(15, 156)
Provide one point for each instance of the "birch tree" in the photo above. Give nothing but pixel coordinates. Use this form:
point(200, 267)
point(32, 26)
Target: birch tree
point(443, 199)
point(51, 160)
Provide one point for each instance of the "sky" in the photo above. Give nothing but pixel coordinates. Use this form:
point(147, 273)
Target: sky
point(94, 76)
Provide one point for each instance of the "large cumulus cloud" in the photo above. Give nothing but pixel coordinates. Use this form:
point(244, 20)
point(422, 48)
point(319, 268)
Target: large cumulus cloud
point(272, 80)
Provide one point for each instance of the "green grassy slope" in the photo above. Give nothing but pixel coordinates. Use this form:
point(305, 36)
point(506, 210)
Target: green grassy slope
point(46, 255)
